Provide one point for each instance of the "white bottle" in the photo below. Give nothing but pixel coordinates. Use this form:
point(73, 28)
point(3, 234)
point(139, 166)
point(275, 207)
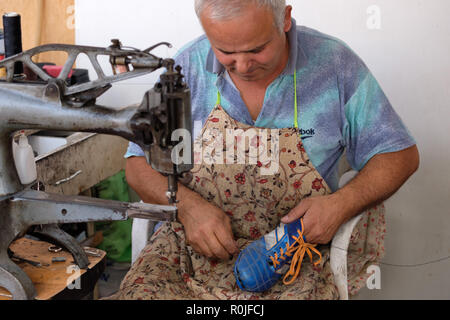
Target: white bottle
point(24, 160)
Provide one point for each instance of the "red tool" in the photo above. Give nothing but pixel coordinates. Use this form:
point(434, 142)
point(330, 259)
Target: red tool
point(54, 71)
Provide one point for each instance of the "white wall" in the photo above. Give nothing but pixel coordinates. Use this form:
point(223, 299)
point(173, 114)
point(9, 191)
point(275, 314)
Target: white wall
point(409, 56)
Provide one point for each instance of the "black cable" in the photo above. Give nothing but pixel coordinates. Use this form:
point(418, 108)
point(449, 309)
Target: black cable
point(406, 265)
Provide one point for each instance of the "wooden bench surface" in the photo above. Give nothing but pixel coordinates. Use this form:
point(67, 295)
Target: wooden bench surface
point(53, 277)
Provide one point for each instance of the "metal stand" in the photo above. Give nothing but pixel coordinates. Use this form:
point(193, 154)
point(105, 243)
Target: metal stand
point(33, 208)
point(14, 279)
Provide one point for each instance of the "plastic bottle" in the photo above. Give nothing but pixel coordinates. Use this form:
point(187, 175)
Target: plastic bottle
point(24, 160)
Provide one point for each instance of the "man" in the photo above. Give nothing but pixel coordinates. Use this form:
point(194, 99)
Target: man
point(250, 55)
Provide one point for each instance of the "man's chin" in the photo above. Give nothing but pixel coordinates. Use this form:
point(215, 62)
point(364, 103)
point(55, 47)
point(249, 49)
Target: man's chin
point(250, 77)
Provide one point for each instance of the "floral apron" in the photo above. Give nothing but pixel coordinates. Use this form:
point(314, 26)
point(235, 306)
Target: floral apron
point(168, 268)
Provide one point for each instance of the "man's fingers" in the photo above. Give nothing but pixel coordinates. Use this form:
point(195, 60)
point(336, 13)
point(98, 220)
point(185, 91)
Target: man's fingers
point(202, 249)
point(209, 245)
point(217, 249)
point(225, 237)
point(298, 212)
point(200, 245)
point(221, 242)
point(306, 229)
point(231, 242)
point(211, 236)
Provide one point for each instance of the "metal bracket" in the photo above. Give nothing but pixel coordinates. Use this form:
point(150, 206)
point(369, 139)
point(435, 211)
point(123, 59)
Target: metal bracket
point(143, 62)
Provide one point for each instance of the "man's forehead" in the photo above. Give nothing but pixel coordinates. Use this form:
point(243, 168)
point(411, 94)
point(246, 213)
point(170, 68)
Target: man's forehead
point(245, 32)
point(247, 40)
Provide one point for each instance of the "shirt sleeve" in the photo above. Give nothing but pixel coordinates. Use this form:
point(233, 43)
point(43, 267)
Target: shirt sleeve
point(371, 125)
point(134, 151)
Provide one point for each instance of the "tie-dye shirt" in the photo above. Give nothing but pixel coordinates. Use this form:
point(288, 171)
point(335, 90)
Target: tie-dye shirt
point(341, 106)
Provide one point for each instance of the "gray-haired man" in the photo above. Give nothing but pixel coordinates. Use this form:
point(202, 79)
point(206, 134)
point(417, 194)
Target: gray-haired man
point(270, 73)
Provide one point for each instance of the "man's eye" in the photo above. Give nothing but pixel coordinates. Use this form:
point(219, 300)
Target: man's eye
point(259, 50)
point(256, 51)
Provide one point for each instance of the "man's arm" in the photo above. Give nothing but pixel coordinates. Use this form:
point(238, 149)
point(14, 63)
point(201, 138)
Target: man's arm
point(380, 178)
point(208, 229)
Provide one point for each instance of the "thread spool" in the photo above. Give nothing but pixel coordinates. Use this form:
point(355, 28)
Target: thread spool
point(13, 38)
point(2, 54)
point(2, 44)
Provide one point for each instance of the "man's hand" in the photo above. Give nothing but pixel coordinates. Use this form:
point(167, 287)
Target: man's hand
point(208, 229)
point(381, 177)
point(322, 217)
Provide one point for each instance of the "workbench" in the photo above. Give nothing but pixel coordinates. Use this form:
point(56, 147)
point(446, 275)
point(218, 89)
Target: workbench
point(83, 162)
point(56, 280)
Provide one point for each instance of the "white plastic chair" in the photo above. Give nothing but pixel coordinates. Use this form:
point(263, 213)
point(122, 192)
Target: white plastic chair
point(143, 229)
point(339, 246)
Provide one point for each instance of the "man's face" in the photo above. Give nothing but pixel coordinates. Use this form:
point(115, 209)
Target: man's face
point(249, 46)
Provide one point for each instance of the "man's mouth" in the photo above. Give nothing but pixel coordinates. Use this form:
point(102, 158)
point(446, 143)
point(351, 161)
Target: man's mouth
point(247, 75)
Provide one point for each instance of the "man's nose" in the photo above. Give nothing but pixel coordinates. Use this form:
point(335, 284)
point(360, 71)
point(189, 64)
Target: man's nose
point(242, 64)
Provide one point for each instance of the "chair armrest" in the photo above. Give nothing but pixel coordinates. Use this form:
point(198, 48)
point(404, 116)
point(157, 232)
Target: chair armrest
point(338, 255)
point(341, 240)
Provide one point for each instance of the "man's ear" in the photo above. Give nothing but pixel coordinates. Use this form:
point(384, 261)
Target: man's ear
point(288, 19)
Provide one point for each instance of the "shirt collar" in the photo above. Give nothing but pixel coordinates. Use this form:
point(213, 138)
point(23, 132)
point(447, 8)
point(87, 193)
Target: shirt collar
point(297, 57)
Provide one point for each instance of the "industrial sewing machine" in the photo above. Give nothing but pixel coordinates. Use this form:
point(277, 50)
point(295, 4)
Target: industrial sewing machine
point(48, 103)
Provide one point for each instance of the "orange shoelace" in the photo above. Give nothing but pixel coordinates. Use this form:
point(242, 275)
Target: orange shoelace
point(298, 249)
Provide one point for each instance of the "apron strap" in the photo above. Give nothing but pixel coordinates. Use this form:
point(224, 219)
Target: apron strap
point(218, 98)
point(295, 100)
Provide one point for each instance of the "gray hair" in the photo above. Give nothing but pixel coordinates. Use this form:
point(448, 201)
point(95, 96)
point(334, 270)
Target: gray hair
point(228, 9)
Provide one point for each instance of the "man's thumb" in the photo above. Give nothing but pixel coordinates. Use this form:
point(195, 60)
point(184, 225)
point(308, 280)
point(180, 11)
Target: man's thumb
point(296, 213)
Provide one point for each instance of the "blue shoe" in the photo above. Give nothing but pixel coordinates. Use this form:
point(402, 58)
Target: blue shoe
point(262, 263)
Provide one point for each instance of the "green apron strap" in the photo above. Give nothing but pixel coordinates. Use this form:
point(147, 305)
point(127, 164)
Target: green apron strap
point(218, 98)
point(295, 101)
